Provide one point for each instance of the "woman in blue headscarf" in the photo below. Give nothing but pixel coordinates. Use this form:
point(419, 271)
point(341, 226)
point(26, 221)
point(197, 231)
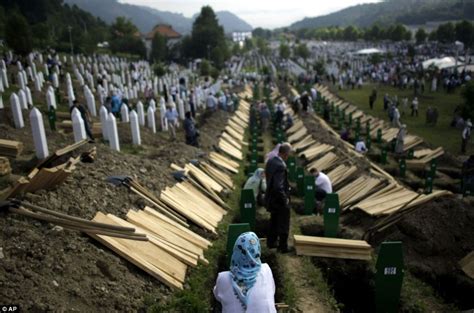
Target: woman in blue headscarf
point(249, 285)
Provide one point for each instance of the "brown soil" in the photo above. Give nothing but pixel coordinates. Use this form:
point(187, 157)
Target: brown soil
point(45, 268)
point(435, 237)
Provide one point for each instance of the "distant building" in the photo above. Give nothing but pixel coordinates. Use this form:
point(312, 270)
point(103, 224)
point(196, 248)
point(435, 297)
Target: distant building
point(167, 31)
point(241, 36)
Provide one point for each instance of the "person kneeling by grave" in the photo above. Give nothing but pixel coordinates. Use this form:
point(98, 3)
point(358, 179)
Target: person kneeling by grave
point(249, 285)
point(190, 131)
point(86, 117)
point(258, 184)
point(323, 186)
point(360, 146)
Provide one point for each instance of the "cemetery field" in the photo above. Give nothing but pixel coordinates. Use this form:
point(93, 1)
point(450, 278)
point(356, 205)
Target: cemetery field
point(440, 135)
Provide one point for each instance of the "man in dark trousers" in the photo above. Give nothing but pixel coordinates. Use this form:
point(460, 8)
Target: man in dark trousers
point(277, 199)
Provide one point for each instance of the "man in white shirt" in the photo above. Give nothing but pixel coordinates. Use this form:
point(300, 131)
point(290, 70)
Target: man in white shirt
point(360, 146)
point(323, 184)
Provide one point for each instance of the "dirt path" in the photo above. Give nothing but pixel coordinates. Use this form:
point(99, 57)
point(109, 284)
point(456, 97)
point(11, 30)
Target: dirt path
point(299, 270)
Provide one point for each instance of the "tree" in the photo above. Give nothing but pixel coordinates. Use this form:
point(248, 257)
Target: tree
point(467, 108)
point(421, 36)
point(284, 51)
point(248, 44)
point(236, 48)
point(350, 33)
point(465, 33)
point(262, 46)
point(123, 27)
point(125, 38)
point(205, 68)
point(302, 51)
point(208, 38)
point(18, 34)
point(446, 33)
point(159, 48)
point(398, 33)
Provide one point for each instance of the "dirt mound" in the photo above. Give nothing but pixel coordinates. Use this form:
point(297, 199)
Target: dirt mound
point(46, 268)
point(435, 237)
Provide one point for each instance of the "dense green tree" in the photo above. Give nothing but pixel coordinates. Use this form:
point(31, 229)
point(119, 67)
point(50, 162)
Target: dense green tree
point(467, 107)
point(398, 33)
point(284, 51)
point(208, 38)
point(350, 33)
point(248, 44)
point(262, 46)
point(122, 27)
point(205, 68)
point(236, 48)
point(18, 34)
point(465, 33)
point(421, 36)
point(445, 33)
point(159, 48)
point(302, 51)
point(125, 38)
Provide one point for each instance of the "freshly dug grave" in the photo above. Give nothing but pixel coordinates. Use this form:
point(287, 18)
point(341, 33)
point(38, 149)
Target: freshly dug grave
point(435, 237)
point(46, 268)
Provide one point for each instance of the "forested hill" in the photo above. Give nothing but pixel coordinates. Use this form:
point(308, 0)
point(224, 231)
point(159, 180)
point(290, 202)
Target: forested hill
point(48, 23)
point(145, 18)
point(410, 12)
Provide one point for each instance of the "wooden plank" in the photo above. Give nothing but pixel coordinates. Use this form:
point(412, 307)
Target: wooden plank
point(144, 261)
point(331, 242)
point(177, 252)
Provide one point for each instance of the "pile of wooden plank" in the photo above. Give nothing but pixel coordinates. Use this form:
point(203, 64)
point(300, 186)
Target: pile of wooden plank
point(10, 148)
point(341, 173)
point(188, 201)
point(324, 162)
point(304, 143)
point(302, 132)
point(332, 248)
point(224, 162)
point(311, 152)
point(5, 168)
point(426, 157)
point(43, 178)
point(393, 198)
point(358, 189)
point(144, 254)
point(219, 176)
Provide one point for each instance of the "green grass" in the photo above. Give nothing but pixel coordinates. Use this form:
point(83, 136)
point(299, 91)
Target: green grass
point(441, 135)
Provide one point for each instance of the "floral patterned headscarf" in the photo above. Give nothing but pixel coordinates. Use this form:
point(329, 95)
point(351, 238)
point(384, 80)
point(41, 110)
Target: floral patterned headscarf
point(245, 265)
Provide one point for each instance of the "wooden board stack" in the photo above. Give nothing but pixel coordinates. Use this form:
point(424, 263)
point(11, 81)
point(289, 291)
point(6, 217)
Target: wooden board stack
point(10, 148)
point(341, 173)
point(43, 178)
point(393, 198)
point(5, 168)
point(388, 132)
point(332, 248)
point(426, 157)
point(358, 189)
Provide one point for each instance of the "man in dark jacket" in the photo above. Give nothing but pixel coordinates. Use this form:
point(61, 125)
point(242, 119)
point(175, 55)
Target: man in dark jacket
point(190, 130)
point(277, 199)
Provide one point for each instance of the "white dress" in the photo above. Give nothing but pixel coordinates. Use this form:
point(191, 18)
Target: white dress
point(261, 297)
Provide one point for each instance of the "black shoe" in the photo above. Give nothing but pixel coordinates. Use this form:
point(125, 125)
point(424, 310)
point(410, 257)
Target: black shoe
point(271, 245)
point(284, 250)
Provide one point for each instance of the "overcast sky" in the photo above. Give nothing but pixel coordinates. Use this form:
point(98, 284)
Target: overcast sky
point(258, 13)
